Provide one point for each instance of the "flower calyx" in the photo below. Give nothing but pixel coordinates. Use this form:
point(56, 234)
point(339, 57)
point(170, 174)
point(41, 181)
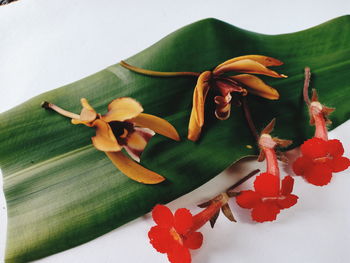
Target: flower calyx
point(268, 143)
point(225, 208)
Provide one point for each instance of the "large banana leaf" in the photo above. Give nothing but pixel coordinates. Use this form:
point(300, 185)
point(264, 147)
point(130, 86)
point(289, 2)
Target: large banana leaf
point(62, 192)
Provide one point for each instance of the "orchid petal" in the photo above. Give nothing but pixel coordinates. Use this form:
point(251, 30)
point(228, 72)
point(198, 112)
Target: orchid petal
point(157, 125)
point(248, 66)
point(133, 170)
point(223, 107)
point(87, 114)
point(122, 109)
point(266, 61)
point(104, 139)
point(137, 142)
point(197, 113)
point(256, 86)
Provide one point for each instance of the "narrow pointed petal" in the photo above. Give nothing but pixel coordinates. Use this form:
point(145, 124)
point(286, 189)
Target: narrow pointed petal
point(228, 213)
point(104, 139)
point(133, 170)
point(156, 124)
point(200, 94)
point(122, 109)
point(266, 61)
point(213, 219)
point(256, 86)
point(197, 114)
point(248, 66)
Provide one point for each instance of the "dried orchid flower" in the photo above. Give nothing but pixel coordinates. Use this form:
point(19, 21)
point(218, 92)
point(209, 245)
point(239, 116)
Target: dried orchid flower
point(225, 86)
point(123, 126)
point(320, 156)
point(270, 194)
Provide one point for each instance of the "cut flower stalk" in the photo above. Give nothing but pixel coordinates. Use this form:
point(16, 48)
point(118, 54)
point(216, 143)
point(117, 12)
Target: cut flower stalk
point(321, 157)
point(124, 126)
point(270, 194)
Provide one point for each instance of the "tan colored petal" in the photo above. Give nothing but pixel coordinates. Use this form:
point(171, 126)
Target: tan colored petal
point(197, 113)
point(266, 61)
point(104, 139)
point(87, 114)
point(137, 141)
point(248, 66)
point(256, 86)
point(157, 125)
point(122, 109)
point(133, 170)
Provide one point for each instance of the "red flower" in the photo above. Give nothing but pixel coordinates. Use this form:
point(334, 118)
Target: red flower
point(268, 199)
point(320, 158)
point(176, 234)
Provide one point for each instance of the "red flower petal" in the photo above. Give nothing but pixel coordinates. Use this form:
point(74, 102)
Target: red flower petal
point(320, 174)
point(335, 148)
point(183, 220)
point(301, 165)
point(193, 240)
point(266, 211)
point(248, 199)
point(288, 201)
point(161, 239)
point(339, 164)
point(267, 185)
point(163, 216)
point(179, 254)
point(314, 148)
point(287, 185)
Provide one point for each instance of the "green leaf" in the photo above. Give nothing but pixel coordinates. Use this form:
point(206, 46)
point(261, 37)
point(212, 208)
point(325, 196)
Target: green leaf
point(62, 192)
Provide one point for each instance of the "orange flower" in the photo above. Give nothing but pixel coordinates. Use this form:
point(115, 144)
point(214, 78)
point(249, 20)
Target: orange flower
point(123, 126)
point(225, 85)
point(230, 85)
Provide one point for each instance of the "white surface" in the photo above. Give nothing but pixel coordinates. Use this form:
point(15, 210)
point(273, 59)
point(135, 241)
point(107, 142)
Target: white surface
point(46, 44)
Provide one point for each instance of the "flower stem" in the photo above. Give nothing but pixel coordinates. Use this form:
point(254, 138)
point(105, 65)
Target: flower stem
point(306, 85)
point(48, 105)
point(157, 73)
point(249, 119)
point(230, 192)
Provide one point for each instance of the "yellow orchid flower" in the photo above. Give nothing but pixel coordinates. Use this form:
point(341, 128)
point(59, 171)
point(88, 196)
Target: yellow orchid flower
point(225, 85)
point(123, 126)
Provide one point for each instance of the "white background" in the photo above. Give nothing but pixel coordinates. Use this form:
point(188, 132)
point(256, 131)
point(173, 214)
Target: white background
point(45, 44)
